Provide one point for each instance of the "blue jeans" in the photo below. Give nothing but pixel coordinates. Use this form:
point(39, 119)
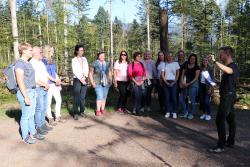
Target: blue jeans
point(41, 106)
point(205, 99)
point(101, 92)
point(191, 92)
point(170, 92)
point(27, 119)
point(139, 96)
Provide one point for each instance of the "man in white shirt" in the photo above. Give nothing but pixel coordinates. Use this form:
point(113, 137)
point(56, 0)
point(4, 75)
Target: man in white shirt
point(42, 77)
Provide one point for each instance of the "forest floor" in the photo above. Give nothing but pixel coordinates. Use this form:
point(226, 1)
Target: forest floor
point(119, 140)
point(123, 140)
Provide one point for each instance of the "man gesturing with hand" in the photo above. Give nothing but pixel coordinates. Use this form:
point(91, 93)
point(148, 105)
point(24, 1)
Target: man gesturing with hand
point(228, 85)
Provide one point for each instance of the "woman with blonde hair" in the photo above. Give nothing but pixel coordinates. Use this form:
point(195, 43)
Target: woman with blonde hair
point(54, 87)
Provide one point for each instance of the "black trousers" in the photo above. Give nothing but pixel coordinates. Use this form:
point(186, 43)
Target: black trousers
point(79, 92)
point(226, 114)
point(123, 91)
point(160, 92)
point(148, 90)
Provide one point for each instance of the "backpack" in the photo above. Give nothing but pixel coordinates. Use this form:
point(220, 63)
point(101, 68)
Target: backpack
point(10, 83)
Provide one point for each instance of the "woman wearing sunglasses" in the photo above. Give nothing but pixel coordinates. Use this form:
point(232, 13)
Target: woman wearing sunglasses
point(121, 80)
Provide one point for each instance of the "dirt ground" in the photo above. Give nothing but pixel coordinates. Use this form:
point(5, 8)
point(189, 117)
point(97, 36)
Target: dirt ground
point(124, 140)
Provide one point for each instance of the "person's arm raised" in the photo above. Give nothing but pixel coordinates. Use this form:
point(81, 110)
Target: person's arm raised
point(222, 67)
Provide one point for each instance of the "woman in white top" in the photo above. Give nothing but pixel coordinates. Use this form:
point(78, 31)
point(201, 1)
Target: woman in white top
point(170, 75)
point(160, 64)
point(121, 80)
point(80, 70)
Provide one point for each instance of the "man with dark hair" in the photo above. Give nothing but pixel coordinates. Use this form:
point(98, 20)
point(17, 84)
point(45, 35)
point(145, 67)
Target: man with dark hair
point(228, 87)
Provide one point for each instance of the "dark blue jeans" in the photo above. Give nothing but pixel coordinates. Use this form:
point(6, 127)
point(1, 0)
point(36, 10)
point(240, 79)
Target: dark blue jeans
point(139, 94)
point(191, 92)
point(205, 99)
point(170, 92)
point(79, 91)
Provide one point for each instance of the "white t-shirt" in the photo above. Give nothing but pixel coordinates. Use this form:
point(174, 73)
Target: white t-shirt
point(170, 70)
point(41, 73)
point(121, 68)
point(160, 67)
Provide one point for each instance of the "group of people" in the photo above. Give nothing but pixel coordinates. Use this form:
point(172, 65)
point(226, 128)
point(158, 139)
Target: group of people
point(37, 83)
point(176, 81)
point(173, 80)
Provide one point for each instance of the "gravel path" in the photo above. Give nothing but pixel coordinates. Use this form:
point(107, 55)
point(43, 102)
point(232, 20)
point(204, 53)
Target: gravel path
point(124, 140)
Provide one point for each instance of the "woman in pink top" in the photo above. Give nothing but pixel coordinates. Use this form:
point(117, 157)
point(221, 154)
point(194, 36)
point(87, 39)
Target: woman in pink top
point(121, 80)
point(137, 75)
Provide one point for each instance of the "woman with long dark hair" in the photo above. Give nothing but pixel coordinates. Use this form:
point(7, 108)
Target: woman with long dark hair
point(137, 75)
point(160, 64)
point(80, 70)
point(121, 80)
point(189, 83)
point(101, 79)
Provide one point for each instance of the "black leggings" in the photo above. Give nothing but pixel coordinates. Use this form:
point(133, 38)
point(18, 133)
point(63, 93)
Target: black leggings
point(79, 92)
point(122, 87)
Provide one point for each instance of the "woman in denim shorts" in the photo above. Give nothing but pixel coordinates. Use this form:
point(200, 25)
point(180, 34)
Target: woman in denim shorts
point(101, 79)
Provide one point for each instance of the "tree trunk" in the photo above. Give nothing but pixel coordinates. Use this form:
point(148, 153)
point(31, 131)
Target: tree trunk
point(183, 27)
point(111, 35)
point(39, 25)
point(47, 27)
point(14, 27)
point(164, 30)
point(148, 26)
point(65, 39)
point(56, 48)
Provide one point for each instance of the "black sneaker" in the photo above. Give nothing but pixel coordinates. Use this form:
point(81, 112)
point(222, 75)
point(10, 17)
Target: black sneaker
point(41, 131)
point(229, 145)
point(46, 128)
point(216, 149)
point(76, 117)
point(82, 114)
point(37, 136)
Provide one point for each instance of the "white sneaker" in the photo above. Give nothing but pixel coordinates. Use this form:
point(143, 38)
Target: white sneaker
point(167, 115)
point(203, 116)
point(208, 118)
point(174, 115)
